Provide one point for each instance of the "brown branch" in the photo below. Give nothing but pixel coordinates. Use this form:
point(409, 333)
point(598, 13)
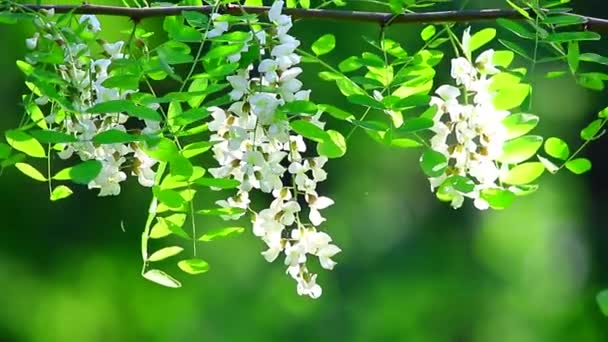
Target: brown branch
point(597, 24)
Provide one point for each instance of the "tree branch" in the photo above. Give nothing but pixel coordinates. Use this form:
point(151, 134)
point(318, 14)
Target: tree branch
point(597, 24)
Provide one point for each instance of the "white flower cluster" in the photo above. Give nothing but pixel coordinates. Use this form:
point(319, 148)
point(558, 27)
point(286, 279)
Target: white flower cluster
point(85, 77)
point(253, 145)
point(468, 128)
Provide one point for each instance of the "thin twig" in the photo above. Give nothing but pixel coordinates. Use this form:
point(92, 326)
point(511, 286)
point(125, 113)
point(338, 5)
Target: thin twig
point(381, 18)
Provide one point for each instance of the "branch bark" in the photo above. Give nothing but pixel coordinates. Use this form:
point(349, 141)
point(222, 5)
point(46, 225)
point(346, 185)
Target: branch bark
point(597, 24)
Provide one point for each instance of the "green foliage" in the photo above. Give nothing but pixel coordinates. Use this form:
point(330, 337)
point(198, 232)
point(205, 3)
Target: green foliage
point(391, 91)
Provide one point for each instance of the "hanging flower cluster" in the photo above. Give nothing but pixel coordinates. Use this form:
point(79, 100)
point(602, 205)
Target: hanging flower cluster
point(84, 78)
point(254, 145)
point(468, 129)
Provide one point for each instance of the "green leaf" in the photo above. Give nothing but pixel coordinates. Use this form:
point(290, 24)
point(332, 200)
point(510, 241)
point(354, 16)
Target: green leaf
point(221, 233)
point(509, 98)
point(173, 182)
point(336, 112)
point(5, 151)
point(30, 171)
point(221, 183)
point(594, 58)
point(124, 106)
point(517, 28)
point(170, 198)
point(515, 48)
point(193, 266)
point(520, 149)
point(124, 82)
point(503, 58)
point(602, 301)
point(433, 163)
point(224, 51)
point(573, 56)
point(524, 173)
point(428, 32)
point(364, 100)
point(305, 107)
point(36, 115)
point(188, 117)
point(520, 10)
point(173, 52)
point(462, 184)
point(325, 44)
point(195, 149)
point(309, 130)
point(167, 225)
point(52, 137)
point(25, 143)
point(162, 278)
point(557, 148)
point(415, 125)
point(350, 64)
point(564, 20)
point(335, 147)
point(8, 18)
point(195, 19)
point(371, 125)
point(590, 81)
point(549, 165)
point(165, 253)
point(404, 143)
point(590, 132)
point(504, 80)
point(181, 167)
point(164, 151)
point(82, 173)
point(60, 192)
point(221, 211)
point(115, 136)
point(497, 198)
point(411, 101)
point(579, 165)
point(114, 106)
point(12, 160)
point(519, 124)
point(481, 38)
point(563, 37)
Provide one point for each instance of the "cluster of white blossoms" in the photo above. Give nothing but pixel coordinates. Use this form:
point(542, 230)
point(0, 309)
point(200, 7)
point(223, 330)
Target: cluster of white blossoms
point(253, 145)
point(468, 128)
point(84, 78)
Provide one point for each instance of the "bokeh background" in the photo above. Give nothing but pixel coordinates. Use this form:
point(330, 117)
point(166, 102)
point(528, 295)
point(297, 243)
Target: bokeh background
point(412, 269)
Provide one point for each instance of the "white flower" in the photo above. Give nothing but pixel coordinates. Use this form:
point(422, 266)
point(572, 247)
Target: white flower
point(294, 254)
point(447, 102)
point(145, 175)
point(108, 179)
point(485, 64)
point(93, 23)
point(466, 40)
point(325, 254)
point(264, 106)
point(463, 72)
point(269, 68)
point(114, 49)
point(317, 203)
point(219, 26)
point(239, 85)
point(265, 224)
point(32, 43)
point(275, 247)
point(307, 282)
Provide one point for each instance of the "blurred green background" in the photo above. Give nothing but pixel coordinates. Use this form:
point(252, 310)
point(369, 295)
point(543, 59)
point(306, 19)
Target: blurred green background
point(412, 269)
